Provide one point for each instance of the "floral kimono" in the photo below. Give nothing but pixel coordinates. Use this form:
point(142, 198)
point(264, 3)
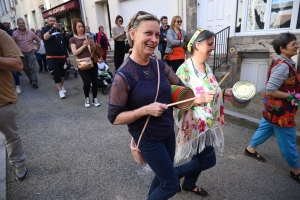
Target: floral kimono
point(208, 120)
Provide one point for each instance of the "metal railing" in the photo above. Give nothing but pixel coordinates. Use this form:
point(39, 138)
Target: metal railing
point(221, 48)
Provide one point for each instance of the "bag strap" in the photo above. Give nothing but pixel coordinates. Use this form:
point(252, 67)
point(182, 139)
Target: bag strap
point(158, 83)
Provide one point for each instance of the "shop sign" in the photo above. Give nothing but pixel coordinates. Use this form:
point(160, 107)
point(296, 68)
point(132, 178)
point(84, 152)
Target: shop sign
point(56, 10)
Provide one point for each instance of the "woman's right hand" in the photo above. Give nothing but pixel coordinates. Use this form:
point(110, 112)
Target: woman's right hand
point(156, 109)
point(86, 43)
point(206, 97)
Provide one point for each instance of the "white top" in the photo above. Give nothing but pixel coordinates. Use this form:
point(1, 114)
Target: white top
point(42, 48)
point(102, 66)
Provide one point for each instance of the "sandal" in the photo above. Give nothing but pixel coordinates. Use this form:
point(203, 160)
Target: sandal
point(294, 176)
point(254, 155)
point(200, 191)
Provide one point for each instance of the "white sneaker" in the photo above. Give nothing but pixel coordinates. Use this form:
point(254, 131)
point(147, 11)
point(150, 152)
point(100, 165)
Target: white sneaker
point(63, 89)
point(18, 89)
point(95, 102)
point(105, 83)
point(87, 102)
point(62, 94)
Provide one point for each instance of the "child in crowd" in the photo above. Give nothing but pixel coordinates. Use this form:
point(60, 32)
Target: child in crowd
point(103, 72)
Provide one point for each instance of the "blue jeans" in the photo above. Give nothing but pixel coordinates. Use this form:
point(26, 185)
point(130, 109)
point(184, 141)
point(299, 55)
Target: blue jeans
point(191, 170)
point(16, 77)
point(41, 58)
point(286, 139)
point(160, 156)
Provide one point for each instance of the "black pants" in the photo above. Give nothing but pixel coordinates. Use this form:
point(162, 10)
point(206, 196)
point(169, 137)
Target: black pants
point(162, 54)
point(56, 68)
point(175, 64)
point(89, 76)
point(119, 53)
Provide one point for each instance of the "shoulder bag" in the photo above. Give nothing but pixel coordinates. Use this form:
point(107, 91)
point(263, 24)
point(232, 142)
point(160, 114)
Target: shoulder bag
point(85, 63)
point(137, 155)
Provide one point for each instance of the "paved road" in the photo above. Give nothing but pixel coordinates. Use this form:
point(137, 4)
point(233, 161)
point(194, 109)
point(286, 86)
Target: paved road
point(73, 152)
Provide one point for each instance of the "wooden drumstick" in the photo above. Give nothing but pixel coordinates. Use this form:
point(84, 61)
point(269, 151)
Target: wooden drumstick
point(221, 81)
point(179, 102)
point(193, 98)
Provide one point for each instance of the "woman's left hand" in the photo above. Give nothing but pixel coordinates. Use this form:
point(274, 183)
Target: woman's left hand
point(187, 122)
point(228, 92)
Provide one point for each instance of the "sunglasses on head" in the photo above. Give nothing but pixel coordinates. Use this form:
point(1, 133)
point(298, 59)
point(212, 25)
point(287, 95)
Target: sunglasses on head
point(139, 13)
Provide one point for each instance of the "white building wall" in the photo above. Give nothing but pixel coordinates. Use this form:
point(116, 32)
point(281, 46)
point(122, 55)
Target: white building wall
point(26, 7)
point(97, 15)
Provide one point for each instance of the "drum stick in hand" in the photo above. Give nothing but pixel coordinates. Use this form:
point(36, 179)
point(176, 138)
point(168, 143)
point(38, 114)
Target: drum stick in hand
point(221, 81)
point(183, 101)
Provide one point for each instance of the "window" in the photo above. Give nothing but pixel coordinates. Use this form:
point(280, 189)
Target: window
point(298, 20)
point(281, 13)
point(262, 15)
point(1, 8)
point(256, 14)
point(34, 19)
point(26, 20)
point(6, 6)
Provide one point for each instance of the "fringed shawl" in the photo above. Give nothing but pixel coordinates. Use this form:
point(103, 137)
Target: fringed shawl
point(208, 120)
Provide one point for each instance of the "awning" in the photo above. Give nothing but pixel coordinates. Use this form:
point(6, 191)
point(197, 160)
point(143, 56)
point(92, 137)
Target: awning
point(61, 8)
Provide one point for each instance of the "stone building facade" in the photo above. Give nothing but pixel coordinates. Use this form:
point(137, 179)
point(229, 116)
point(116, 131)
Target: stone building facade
point(253, 25)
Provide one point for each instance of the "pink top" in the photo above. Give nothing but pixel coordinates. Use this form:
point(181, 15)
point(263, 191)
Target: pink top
point(25, 40)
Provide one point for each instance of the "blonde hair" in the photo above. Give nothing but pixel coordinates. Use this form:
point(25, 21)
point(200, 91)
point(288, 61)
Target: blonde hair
point(136, 20)
point(174, 19)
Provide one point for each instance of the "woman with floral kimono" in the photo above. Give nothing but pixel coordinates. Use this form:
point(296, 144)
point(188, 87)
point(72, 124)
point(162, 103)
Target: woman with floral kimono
point(207, 119)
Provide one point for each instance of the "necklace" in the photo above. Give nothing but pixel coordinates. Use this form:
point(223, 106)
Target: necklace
point(196, 71)
point(143, 67)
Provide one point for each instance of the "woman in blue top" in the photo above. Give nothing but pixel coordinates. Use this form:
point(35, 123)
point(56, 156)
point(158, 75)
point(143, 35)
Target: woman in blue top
point(131, 101)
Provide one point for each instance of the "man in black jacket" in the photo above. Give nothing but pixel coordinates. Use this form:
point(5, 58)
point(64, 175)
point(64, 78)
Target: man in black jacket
point(56, 52)
point(162, 37)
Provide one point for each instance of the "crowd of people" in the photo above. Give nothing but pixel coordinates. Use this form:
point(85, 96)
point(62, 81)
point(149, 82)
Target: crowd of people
point(141, 90)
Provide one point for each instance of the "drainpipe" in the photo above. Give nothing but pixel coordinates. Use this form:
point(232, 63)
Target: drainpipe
point(82, 11)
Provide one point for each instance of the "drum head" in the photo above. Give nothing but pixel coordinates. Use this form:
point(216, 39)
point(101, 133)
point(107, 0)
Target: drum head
point(243, 90)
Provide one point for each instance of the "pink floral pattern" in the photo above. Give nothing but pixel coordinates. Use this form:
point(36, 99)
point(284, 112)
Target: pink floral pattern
point(204, 117)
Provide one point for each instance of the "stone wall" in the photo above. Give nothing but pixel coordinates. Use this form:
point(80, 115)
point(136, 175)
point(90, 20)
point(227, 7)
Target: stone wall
point(250, 47)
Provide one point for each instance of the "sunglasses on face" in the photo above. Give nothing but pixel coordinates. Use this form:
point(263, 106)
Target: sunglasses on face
point(179, 22)
point(120, 20)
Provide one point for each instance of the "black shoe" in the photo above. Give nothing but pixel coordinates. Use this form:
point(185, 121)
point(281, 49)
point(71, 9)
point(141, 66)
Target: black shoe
point(35, 86)
point(200, 191)
point(20, 74)
point(40, 70)
point(30, 81)
point(294, 176)
point(254, 155)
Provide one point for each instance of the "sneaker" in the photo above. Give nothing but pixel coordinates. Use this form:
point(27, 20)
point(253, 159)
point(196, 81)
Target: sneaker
point(95, 102)
point(87, 102)
point(105, 83)
point(63, 89)
point(18, 89)
point(21, 172)
point(35, 86)
point(62, 94)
